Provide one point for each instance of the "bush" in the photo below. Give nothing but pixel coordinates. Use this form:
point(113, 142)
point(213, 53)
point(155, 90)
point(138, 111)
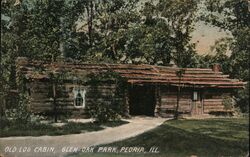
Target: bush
point(228, 103)
point(103, 112)
point(242, 99)
point(107, 107)
point(21, 113)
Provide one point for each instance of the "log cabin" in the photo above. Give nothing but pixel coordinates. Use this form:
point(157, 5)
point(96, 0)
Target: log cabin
point(150, 90)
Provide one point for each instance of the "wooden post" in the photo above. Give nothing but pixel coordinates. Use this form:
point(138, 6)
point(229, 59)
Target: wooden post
point(202, 102)
point(158, 101)
point(179, 74)
point(54, 101)
point(126, 102)
point(177, 102)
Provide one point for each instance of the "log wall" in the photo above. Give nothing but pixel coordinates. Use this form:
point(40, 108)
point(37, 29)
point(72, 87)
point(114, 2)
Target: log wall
point(169, 101)
point(41, 97)
point(166, 99)
point(209, 101)
point(213, 101)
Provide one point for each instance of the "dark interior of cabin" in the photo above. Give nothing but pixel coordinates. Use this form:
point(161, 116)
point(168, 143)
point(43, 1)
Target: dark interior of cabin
point(142, 100)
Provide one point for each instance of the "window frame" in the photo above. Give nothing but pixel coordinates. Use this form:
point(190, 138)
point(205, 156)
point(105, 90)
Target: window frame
point(195, 96)
point(77, 91)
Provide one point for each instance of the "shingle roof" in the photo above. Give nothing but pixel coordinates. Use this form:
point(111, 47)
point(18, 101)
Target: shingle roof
point(135, 74)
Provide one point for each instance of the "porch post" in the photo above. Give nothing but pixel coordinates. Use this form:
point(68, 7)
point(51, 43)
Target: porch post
point(126, 101)
point(202, 101)
point(158, 101)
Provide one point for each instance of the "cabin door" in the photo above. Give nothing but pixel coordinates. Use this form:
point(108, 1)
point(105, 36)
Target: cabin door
point(197, 105)
point(142, 100)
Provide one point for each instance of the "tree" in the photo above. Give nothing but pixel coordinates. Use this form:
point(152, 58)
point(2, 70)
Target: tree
point(180, 17)
point(179, 74)
point(57, 78)
point(34, 29)
point(117, 31)
point(233, 16)
point(10, 46)
point(123, 32)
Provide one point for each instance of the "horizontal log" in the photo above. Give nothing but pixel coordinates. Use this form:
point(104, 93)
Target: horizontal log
point(171, 105)
point(68, 108)
point(170, 73)
point(214, 107)
point(100, 92)
point(37, 104)
point(175, 99)
point(60, 104)
point(213, 104)
point(43, 108)
point(217, 110)
point(67, 87)
point(210, 84)
point(166, 91)
point(50, 100)
point(174, 104)
point(36, 96)
point(174, 107)
point(213, 100)
point(162, 77)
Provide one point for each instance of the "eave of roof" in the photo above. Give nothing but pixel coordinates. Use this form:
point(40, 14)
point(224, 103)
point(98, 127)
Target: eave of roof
point(135, 74)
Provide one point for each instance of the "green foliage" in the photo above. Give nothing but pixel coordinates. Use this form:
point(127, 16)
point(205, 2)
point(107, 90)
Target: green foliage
point(180, 73)
point(103, 112)
point(56, 87)
point(107, 106)
point(31, 29)
point(104, 78)
point(213, 137)
point(12, 128)
point(20, 114)
point(221, 51)
point(232, 16)
point(121, 31)
point(242, 99)
point(227, 102)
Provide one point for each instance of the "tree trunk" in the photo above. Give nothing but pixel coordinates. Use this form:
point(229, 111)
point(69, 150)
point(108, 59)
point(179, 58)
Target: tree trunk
point(177, 105)
point(126, 99)
point(3, 106)
point(54, 102)
point(90, 14)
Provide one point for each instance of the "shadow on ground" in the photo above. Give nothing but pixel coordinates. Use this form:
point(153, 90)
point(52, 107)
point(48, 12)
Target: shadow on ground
point(203, 138)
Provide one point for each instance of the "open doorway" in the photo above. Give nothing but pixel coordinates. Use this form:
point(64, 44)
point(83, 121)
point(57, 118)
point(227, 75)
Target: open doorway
point(142, 100)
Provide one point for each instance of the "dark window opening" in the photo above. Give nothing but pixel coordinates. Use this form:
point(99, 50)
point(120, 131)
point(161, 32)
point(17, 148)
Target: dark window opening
point(79, 99)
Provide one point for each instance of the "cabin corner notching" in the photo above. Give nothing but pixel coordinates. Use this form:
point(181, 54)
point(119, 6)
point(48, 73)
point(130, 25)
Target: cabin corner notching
point(151, 90)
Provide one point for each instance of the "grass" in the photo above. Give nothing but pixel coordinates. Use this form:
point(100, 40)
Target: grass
point(183, 138)
point(9, 128)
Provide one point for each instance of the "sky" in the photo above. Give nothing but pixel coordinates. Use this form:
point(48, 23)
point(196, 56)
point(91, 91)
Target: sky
point(205, 36)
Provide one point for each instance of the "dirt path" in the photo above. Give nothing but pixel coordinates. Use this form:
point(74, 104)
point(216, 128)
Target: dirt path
point(54, 145)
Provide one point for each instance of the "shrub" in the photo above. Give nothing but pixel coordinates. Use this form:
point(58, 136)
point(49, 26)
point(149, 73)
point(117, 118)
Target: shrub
point(107, 107)
point(227, 102)
point(103, 112)
point(20, 113)
point(242, 99)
